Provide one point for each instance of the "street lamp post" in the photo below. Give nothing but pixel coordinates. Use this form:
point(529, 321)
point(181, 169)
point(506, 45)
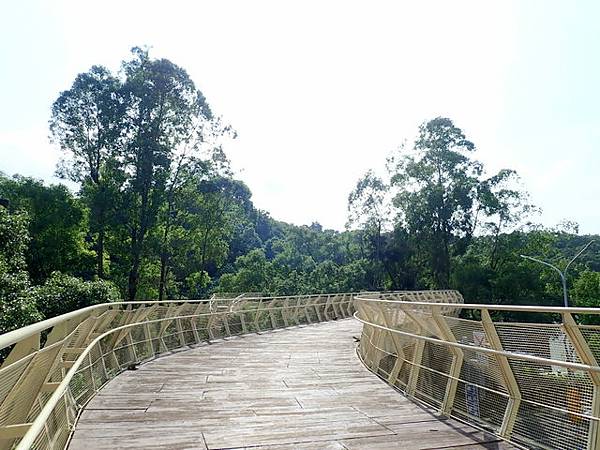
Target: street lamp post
point(562, 273)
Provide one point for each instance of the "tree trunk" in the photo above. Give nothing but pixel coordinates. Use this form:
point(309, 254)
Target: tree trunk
point(136, 257)
point(164, 260)
point(134, 272)
point(100, 253)
point(493, 256)
point(134, 276)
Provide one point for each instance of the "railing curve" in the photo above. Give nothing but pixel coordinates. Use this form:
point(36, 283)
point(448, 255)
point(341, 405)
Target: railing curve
point(54, 367)
point(534, 384)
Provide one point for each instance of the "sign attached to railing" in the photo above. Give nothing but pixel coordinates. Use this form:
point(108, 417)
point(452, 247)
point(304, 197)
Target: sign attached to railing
point(472, 399)
point(533, 383)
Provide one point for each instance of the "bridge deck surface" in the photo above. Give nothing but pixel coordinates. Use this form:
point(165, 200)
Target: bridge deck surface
point(298, 388)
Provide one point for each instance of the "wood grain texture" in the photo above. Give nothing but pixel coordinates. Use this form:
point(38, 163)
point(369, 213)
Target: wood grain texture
point(298, 388)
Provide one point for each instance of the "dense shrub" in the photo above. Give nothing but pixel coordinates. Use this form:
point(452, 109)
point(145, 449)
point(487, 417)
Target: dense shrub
point(64, 293)
point(17, 308)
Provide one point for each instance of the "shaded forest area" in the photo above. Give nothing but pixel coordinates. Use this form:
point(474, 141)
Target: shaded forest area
point(159, 215)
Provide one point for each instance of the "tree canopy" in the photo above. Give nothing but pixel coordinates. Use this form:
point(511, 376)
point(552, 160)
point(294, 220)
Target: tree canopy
point(158, 214)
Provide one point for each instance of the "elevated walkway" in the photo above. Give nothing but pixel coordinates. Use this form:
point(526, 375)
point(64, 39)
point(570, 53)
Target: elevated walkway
point(284, 372)
point(296, 388)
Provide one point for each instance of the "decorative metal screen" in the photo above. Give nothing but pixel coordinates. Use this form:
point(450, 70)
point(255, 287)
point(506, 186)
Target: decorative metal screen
point(53, 368)
point(535, 384)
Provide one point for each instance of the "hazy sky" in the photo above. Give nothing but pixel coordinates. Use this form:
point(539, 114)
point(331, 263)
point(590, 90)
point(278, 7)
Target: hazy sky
point(319, 92)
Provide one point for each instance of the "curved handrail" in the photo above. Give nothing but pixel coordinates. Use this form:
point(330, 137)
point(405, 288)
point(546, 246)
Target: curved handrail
point(44, 369)
point(28, 439)
point(534, 384)
point(14, 336)
point(490, 307)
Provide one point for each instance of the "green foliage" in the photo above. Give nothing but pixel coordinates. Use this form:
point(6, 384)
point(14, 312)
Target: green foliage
point(368, 210)
point(163, 114)
point(85, 123)
point(252, 274)
point(443, 198)
point(436, 187)
point(17, 308)
point(64, 293)
point(57, 226)
point(159, 215)
point(586, 289)
point(491, 271)
point(131, 141)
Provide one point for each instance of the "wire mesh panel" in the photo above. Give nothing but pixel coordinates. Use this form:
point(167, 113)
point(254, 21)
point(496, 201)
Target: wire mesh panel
point(535, 384)
point(43, 389)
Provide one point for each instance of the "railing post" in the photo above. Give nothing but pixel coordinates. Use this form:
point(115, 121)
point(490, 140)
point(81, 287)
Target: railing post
point(271, 314)
point(226, 322)
point(350, 306)
point(514, 400)
point(148, 338)
point(307, 303)
point(457, 361)
point(316, 304)
point(334, 306)
point(104, 369)
point(131, 347)
point(46, 427)
point(587, 357)
point(393, 375)
point(209, 325)
point(194, 320)
point(257, 316)
point(243, 321)
point(381, 334)
point(343, 307)
point(327, 303)
point(284, 312)
point(70, 405)
point(415, 369)
point(366, 346)
point(180, 332)
point(115, 359)
point(91, 371)
point(297, 307)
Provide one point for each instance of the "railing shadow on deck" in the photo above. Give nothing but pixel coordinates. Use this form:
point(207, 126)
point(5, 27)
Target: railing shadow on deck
point(56, 366)
point(534, 384)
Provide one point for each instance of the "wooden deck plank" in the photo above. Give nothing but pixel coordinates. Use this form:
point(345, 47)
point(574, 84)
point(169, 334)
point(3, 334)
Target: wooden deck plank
point(297, 388)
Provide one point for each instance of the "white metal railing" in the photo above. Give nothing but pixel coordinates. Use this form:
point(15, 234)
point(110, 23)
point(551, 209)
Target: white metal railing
point(535, 382)
point(54, 367)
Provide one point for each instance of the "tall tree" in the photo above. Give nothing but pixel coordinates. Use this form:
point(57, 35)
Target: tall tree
point(368, 210)
point(163, 113)
point(503, 205)
point(436, 185)
point(86, 123)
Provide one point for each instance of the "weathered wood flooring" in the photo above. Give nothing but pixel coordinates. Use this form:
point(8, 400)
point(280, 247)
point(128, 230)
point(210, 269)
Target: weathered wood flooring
point(299, 388)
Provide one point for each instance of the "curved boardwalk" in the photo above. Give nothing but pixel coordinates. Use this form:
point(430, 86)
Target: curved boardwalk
point(298, 388)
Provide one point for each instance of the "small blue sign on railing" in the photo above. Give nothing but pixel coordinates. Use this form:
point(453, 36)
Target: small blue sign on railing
point(472, 397)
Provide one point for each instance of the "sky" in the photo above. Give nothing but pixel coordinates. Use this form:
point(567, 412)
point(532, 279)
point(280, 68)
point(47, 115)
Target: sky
point(321, 91)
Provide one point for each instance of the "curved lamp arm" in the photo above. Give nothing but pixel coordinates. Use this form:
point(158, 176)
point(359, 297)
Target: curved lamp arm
point(564, 272)
point(562, 276)
point(578, 254)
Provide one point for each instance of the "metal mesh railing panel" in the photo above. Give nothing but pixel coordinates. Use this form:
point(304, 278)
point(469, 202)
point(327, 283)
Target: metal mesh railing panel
point(535, 384)
point(88, 348)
